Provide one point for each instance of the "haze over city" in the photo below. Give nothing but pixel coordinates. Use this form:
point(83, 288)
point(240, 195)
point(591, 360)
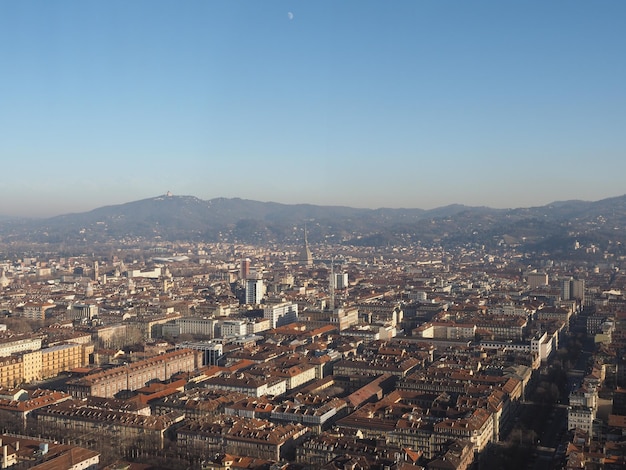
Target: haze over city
point(357, 103)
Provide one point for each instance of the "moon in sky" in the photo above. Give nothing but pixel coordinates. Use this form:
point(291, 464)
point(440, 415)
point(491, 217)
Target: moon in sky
point(290, 15)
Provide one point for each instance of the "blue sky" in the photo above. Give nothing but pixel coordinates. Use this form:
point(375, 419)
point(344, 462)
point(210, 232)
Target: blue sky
point(360, 103)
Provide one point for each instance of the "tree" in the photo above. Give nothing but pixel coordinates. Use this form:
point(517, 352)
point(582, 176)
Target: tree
point(10, 423)
point(18, 325)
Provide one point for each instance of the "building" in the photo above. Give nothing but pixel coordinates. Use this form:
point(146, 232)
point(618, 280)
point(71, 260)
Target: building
point(83, 311)
point(191, 326)
point(248, 437)
point(211, 351)
point(314, 413)
point(109, 335)
point(398, 367)
point(11, 371)
point(566, 288)
point(578, 290)
point(476, 428)
point(257, 325)
point(255, 291)
point(19, 403)
point(281, 314)
point(151, 326)
point(459, 456)
point(537, 280)
point(18, 344)
point(230, 328)
point(305, 257)
point(35, 310)
point(446, 330)
point(32, 362)
point(343, 317)
point(44, 455)
point(572, 289)
point(341, 280)
point(244, 271)
point(29, 366)
point(250, 385)
point(581, 417)
point(63, 357)
point(133, 376)
point(544, 345)
point(84, 422)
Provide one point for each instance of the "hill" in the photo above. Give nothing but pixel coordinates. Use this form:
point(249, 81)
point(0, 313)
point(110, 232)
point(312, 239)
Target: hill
point(187, 218)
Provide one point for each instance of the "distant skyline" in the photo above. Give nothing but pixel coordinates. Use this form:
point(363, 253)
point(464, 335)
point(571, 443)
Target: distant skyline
point(415, 104)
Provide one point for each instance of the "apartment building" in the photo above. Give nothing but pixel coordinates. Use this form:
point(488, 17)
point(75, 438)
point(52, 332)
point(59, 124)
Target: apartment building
point(11, 371)
point(414, 432)
point(198, 403)
point(26, 367)
point(446, 330)
point(581, 417)
point(15, 344)
point(250, 385)
point(248, 437)
point(281, 314)
point(134, 376)
point(314, 413)
point(35, 310)
point(477, 428)
point(232, 327)
point(77, 420)
point(398, 367)
point(63, 357)
point(321, 449)
point(43, 455)
point(108, 335)
point(32, 362)
point(19, 403)
point(504, 327)
point(459, 456)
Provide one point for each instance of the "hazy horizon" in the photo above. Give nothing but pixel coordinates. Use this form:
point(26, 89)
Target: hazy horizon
point(411, 104)
point(42, 216)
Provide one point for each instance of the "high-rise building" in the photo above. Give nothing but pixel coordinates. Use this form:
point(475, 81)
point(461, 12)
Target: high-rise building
point(573, 289)
point(566, 288)
point(244, 271)
point(341, 280)
point(578, 290)
point(255, 290)
point(336, 281)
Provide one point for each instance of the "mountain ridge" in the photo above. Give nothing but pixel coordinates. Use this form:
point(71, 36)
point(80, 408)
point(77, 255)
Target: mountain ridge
point(188, 218)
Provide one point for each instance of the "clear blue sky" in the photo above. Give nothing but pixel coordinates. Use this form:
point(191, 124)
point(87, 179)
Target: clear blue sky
point(361, 103)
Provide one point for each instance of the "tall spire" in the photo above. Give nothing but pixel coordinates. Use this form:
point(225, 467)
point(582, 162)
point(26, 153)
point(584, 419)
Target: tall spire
point(305, 258)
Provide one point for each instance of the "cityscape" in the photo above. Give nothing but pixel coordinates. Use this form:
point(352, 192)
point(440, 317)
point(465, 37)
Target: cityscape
point(145, 352)
point(321, 235)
